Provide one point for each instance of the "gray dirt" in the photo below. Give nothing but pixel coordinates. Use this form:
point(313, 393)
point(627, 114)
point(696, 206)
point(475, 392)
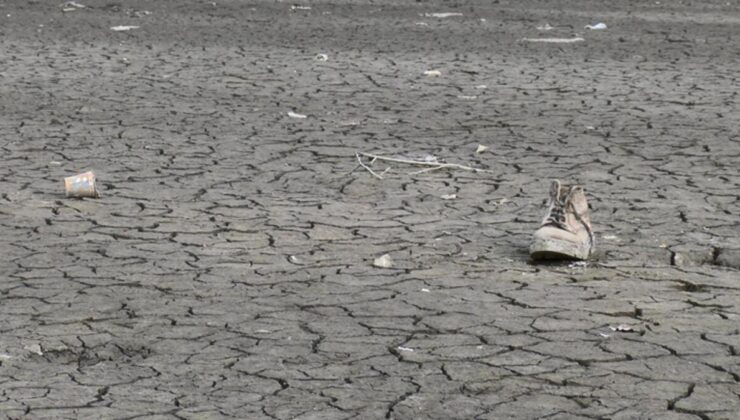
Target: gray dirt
point(226, 271)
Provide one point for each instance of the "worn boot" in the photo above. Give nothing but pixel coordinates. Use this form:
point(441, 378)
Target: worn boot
point(565, 232)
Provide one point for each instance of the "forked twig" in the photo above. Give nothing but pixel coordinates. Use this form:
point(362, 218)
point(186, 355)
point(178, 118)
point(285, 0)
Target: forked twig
point(359, 160)
point(432, 166)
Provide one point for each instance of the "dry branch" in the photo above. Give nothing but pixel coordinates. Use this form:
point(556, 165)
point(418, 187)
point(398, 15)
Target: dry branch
point(431, 166)
point(359, 160)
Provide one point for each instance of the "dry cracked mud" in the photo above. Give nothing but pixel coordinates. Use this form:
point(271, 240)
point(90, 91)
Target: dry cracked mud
point(227, 270)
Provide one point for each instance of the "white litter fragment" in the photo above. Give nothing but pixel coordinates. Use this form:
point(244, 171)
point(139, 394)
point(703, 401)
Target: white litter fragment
point(405, 349)
point(623, 328)
point(421, 24)
point(300, 7)
point(322, 57)
point(292, 114)
point(71, 6)
point(604, 335)
point(34, 348)
point(262, 331)
point(610, 237)
point(480, 149)
point(5, 356)
point(555, 40)
point(597, 27)
point(55, 163)
point(430, 159)
point(545, 27)
point(467, 97)
point(578, 264)
point(140, 13)
point(294, 259)
point(442, 15)
point(121, 28)
point(448, 196)
point(482, 87)
point(425, 290)
point(432, 73)
point(383, 261)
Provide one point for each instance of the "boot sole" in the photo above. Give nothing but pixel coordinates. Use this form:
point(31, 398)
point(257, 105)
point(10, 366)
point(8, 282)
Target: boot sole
point(549, 249)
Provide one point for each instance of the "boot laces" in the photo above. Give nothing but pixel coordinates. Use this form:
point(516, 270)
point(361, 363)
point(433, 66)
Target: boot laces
point(556, 214)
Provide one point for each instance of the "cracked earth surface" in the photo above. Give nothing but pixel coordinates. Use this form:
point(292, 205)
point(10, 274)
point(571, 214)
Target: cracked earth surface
point(227, 269)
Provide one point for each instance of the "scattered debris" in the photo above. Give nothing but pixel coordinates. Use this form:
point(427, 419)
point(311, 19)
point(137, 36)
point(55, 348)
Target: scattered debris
point(383, 261)
point(622, 328)
point(481, 148)
point(139, 13)
point(300, 7)
point(81, 185)
point(55, 163)
point(578, 264)
point(467, 97)
point(597, 27)
point(293, 259)
point(448, 196)
point(554, 40)
point(5, 356)
point(121, 28)
point(72, 6)
point(405, 349)
point(432, 73)
point(421, 24)
point(34, 348)
point(482, 87)
point(262, 331)
point(604, 335)
point(430, 162)
point(545, 27)
point(425, 290)
point(442, 15)
point(292, 114)
point(610, 237)
point(322, 57)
